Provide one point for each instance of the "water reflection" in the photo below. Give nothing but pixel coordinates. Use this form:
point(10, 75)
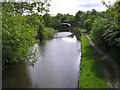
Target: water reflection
point(16, 76)
point(62, 34)
point(57, 67)
point(70, 40)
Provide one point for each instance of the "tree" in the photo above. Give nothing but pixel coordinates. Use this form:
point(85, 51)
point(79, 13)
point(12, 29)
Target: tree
point(78, 16)
point(56, 23)
point(48, 20)
point(98, 27)
point(83, 18)
point(67, 18)
point(18, 33)
point(112, 33)
point(88, 23)
point(93, 12)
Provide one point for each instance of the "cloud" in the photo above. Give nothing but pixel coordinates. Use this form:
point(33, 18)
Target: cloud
point(73, 6)
point(89, 5)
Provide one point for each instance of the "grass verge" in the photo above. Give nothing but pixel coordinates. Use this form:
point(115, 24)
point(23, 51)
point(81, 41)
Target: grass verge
point(91, 68)
point(113, 52)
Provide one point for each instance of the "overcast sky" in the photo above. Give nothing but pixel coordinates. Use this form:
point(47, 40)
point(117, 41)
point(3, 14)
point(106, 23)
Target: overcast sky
point(72, 6)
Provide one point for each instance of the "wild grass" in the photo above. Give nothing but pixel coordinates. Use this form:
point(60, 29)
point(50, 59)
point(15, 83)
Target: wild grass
point(113, 52)
point(91, 68)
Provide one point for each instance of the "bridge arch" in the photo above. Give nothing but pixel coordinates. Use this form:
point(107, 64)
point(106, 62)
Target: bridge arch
point(66, 24)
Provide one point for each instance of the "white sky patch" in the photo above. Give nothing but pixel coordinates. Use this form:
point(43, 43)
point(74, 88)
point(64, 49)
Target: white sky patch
point(73, 6)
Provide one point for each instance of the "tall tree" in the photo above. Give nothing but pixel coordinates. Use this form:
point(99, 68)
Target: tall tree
point(48, 20)
point(18, 34)
point(78, 16)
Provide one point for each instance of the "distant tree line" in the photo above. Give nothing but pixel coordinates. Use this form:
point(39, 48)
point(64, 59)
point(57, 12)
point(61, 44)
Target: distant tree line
point(55, 21)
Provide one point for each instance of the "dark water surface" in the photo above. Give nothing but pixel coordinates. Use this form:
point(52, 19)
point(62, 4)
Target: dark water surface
point(57, 67)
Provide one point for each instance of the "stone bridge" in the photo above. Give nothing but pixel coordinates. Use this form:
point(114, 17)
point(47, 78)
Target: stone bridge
point(68, 26)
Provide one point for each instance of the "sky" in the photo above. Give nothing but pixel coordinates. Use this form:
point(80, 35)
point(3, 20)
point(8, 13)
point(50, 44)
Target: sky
point(73, 6)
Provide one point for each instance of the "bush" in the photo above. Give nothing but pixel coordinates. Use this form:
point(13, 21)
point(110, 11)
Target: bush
point(17, 37)
point(98, 27)
point(19, 31)
point(50, 32)
point(87, 24)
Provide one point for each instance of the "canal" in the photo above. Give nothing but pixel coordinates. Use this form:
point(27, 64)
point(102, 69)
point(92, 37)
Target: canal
point(58, 65)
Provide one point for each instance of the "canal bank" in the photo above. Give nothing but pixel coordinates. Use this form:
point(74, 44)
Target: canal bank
point(98, 67)
point(91, 67)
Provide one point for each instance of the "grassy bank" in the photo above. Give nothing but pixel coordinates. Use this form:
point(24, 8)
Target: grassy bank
point(113, 52)
point(91, 68)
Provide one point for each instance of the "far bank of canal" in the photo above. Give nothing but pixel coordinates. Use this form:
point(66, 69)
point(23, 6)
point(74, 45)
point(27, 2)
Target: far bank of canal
point(58, 65)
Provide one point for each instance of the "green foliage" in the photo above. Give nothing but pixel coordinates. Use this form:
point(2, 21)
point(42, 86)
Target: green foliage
point(67, 18)
point(109, 34)
point(55, 22)
point(37, 21)
point(49, 32)
point(98, 27)
point(26, 7)
point(115, 11)
point(17, 37)
point(78, 15)
point(83, 18)
point(64, 17)
point(106, 27)
point(87, 24)
point(48, 20)
point(93, 12)
point(19, 32)
point(112, 32)
point(40, 32)
point(103, 28)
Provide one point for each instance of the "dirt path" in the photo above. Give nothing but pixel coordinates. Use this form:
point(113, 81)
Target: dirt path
point(105, 56)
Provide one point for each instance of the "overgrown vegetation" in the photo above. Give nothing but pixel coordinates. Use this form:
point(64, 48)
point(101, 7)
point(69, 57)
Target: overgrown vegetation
point(105, 33)
point(20, 33)
point(104, 25)
point(50, 32)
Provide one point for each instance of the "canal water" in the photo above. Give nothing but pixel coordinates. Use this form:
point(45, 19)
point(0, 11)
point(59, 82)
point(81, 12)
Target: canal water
point(58, 65)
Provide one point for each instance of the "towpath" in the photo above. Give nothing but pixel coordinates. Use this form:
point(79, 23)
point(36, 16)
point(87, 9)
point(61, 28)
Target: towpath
point(115, 66)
